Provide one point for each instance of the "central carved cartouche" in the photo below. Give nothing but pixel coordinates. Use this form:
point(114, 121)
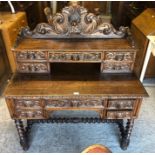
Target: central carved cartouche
point(74, 22)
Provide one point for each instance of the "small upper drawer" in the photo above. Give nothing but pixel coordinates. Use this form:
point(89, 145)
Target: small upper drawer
point(28, 103)
point(119, 56)
point(121, 104)
point(75, 57)
point(31, 55)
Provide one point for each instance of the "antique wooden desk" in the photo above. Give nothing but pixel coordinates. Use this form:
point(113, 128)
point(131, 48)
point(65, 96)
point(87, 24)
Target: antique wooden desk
point(74, 70)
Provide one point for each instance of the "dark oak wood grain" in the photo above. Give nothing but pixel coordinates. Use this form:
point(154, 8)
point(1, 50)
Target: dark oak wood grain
point(75, 74)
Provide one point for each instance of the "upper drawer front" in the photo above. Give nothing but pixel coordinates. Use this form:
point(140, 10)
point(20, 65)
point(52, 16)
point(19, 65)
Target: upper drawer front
point(28, 103)
point(27, 67)
point(119, 56)
point(66, 103)
point(31, 55)
point(121, 104)
point(75, 57)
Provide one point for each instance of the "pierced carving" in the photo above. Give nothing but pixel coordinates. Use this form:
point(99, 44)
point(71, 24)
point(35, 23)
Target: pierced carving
point(31, 55)
point(32, 67)
point(74, 22)
point(57, 57)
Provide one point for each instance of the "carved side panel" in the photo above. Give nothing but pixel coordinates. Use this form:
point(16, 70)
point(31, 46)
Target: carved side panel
point(75, 57)
point(31, 67)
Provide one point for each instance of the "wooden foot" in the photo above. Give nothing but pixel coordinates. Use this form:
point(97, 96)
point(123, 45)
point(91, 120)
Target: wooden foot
point(22, 134)
point(127, 133)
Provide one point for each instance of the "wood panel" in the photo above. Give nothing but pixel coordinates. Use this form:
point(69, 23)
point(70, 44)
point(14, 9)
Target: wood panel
point(11, 24)
point(141, 27)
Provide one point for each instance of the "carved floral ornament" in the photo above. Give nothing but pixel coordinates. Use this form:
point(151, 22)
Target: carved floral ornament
point(74, 22)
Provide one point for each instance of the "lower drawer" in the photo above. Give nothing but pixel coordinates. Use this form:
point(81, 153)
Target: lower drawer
point(29, 114)
point(119, 114)
point(32, 67)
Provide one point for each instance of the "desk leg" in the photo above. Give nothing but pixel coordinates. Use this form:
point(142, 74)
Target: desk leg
point(22, 134)
point(126, 134)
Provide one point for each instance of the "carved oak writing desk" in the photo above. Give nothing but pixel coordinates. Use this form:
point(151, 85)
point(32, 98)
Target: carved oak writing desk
point(74, 63)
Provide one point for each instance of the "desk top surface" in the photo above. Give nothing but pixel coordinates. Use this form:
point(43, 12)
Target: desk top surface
point(73, 44)
point(122, 85)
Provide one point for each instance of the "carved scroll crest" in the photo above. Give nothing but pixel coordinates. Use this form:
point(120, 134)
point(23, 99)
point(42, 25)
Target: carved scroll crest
point(74, 22)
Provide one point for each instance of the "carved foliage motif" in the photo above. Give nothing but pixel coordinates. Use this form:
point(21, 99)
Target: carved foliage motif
point(118, 62)
point(32, 55)
point(32, 67)
point(119, 114)
point(75, 56)
point(74, 21)
point(121, 104)
point(112, 67)
point(19, 103)
point(29, 113)
point(119, 56)
point(74, 103)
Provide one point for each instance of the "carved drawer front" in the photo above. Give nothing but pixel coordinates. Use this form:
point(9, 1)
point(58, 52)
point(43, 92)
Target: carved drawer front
point(121, 104)
point(119, 114)
point(117, 67)
point(20, 113)
point(60, 103)
point(30, 103)
point(31, 55)
point(119, 56)
point(26, 67)
point(75, 57)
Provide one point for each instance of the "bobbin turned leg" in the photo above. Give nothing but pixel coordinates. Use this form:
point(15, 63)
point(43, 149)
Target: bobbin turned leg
point(22, 134)
point(127, 133)
point(121, 128)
